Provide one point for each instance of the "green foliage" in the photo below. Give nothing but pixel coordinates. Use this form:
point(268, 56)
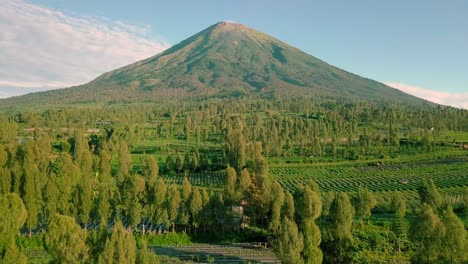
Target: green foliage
point(12, 218)
point(65, 240)
point(276, 205)
point(427, 233)
point(290, 242)
point(429, 194)
point(455, 242)
point(363, 201)
point(337, 234)
point(120, 247)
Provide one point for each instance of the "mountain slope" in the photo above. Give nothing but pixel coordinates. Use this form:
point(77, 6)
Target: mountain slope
point(223, 60)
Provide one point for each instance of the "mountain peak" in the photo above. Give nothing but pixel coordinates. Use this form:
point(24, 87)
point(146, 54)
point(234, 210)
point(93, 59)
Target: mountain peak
point(226, 59)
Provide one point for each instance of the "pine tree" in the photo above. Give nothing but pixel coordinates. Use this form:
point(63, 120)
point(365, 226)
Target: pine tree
point(66, 241)
point(231, 180)
point(288, 206)
point(12, 217)
point(120, 247)
point(146, 256)
point(364, 201)
point(455, 242)
point(311, 253)
point(125, 162)
point(290, 243)
point(429, 194)
point(151, 170)
point(196, 205)
point(277, 204)
point(337, 235)
point(173, 205)
point(309, 208)
point(246, 182)
point(398, 206)
point(427, 233)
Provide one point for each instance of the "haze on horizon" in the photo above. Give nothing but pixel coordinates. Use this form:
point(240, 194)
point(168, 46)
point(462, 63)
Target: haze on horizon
point(47, 45)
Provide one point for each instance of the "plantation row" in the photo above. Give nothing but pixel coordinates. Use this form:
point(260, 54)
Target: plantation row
point(380, 178)
point(204, 253)
point(211, 180)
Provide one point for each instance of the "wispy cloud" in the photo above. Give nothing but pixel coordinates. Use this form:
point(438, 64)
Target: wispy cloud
point(43, 48)
point(445, 98)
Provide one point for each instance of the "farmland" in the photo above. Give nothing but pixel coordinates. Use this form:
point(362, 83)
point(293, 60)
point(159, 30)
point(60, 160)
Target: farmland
point(219, 174)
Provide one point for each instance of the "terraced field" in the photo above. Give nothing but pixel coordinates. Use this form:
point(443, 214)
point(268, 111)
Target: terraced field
point(450, 172)
point(209, 253)
point(212, 180)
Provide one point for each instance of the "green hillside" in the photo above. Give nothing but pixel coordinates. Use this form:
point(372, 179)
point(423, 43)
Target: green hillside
point(224, 60)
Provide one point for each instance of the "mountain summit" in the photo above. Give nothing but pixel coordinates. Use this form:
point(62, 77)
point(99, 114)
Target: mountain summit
point(224, 60)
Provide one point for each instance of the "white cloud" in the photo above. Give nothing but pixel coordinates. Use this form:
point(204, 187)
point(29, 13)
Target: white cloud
point(43, 49)
point(459, 100)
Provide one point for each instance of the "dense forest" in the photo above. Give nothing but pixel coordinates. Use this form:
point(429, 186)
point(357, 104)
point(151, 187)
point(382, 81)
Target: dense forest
point(98, 183)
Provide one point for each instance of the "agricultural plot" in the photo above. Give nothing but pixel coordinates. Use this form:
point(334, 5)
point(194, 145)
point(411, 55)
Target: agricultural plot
point(208, 253)
point(404, 176)
point(211, 180)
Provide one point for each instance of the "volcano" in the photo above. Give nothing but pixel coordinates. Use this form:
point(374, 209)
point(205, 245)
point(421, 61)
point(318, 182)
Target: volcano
point(225, 60)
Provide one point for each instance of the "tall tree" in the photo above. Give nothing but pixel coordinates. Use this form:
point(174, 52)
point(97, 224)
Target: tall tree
point(309, 208)
point(398, 206)
point(290, 243)
point(230, 189)
point(120, 247)
point(196, 205)
point(429, 194)
point(125, 162)
point(288, 206)
point(66, 241)
point(337, 236)
point(455, 242)
point(364, 201)
point(277, 204)
point(12, 217)
point(427, 233)
point(173, 205)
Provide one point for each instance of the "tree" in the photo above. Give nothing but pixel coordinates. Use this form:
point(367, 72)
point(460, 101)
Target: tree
point(66, 241)
point(150, 170)
point(308, 204)
point(179, 163)
point(31, 193)
point(231, 180)
point(309, 208)
point(84, 203)
point(455, 244)
point(290, 242)
point(429, 194)
point(337, 236)
point(125, 162)
point(311, 253)
point(104, 164)
point(120, 247)
point(427, 233)
point(12, 217)
point(398, 206)
point(288, 206)
point(196, 205)
point(277, 204)
point(364, 201)
point(173, 205)
point(146, 256)
point(246, 182)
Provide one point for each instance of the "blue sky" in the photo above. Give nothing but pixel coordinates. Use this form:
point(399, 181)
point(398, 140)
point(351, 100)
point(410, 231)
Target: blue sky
point(417, 46)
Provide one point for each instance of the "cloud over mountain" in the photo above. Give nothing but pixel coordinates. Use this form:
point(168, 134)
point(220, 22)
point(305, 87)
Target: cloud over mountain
point(44, 49)
point(445, 98)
